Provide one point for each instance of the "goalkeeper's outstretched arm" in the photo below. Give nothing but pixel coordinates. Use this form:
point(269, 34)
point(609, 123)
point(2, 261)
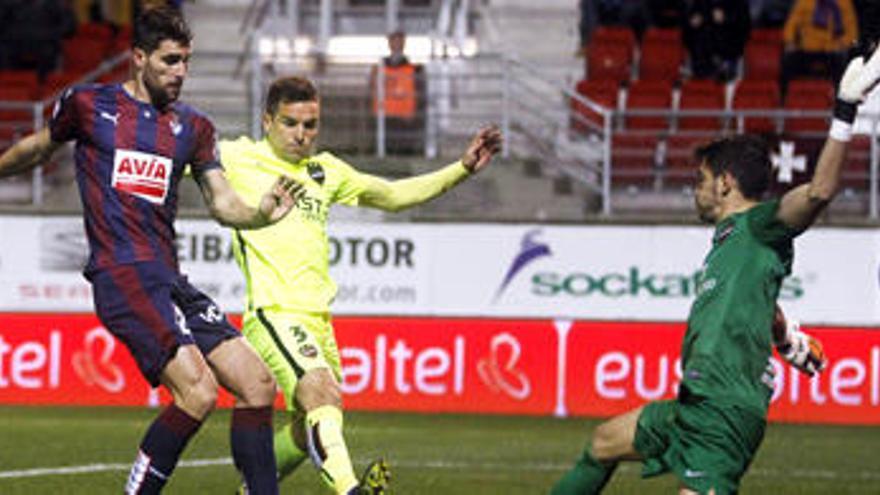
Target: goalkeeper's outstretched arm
point(800, 206)
point(401, 194)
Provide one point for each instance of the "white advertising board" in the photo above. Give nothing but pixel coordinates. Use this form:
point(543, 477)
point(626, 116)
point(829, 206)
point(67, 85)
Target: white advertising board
point(588, 272)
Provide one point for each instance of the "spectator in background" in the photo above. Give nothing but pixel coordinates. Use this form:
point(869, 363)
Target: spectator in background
point(403, 99)
point(32, 33)
point(769, 13)
point(631, 13)
point(665, 13)
point(589, 19)
point(715, 34)
point(817, 35)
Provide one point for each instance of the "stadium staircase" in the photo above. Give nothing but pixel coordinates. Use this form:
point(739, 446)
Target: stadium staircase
point(530, 185)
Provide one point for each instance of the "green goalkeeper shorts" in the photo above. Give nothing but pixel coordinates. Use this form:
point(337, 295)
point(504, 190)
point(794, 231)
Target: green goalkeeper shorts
point(705, 444)
point(292, 343)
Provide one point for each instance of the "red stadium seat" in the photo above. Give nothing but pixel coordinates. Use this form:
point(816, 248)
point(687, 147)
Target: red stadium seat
point(766, 35)
point(649, 95)
point(757, 95)
point(122, 41)
point(57, 81)
point(95, 30)
point(22, 78)
point(613, 35)
point(8, 135)
point(118, 74)
point(633, 159)
point(809, 94)
point(662, 35)
point(856, 173)
point(762, 60)
point(16, 94)
point(701, 95)
point(604, 93)
point(661, 60)
point(83, 54)
point(606, 61)
point(680, 165)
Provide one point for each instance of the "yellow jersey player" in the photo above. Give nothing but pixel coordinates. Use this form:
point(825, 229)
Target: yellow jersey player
point(286, 268)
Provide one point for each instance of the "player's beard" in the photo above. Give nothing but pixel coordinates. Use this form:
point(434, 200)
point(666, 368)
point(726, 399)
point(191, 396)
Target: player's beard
point(160, 95)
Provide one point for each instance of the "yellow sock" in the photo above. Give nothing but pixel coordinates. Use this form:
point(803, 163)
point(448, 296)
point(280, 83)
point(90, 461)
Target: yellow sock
point(327, 448)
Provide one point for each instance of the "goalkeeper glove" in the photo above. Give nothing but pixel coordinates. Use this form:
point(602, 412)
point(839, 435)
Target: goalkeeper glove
point(801, 350)
point(859, 78)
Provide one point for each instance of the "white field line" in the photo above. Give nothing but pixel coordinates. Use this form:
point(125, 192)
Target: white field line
point(439, 465)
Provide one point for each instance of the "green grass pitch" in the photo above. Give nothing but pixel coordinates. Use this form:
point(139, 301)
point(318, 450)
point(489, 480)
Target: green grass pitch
point(429, 454)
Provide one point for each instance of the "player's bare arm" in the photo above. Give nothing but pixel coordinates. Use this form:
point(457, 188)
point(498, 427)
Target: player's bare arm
point(228, 208)
point(27, 153)
point(800, 206)
point(402, 194)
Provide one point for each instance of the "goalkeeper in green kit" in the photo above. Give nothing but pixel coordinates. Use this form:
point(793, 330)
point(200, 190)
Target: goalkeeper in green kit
point(709, 434)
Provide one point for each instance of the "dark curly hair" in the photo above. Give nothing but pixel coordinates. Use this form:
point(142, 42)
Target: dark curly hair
point(746, 157)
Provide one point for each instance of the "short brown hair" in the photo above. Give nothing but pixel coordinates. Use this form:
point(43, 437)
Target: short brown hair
point(153, 26)
point(289, 90)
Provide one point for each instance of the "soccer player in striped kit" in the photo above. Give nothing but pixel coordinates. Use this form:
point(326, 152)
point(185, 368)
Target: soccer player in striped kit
point(133, 142)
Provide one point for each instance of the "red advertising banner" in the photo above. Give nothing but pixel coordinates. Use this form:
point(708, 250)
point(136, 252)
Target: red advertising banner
point(536, 367)
point(847, 392)
point(66, 359)
point(487, 366)
point(614, 367)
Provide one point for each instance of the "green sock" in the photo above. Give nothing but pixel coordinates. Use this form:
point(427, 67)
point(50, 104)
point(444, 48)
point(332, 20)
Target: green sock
point(287, 455)
point(588, 476)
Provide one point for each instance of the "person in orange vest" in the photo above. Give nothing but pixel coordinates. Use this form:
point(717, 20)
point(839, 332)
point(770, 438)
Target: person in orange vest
point(817, 35)
point(403, 99)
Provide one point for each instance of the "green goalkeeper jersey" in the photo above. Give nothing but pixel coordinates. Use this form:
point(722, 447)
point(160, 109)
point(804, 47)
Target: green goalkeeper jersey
point(727, 348)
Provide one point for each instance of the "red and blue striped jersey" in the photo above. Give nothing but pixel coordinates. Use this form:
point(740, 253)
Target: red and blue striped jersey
point(129, 159)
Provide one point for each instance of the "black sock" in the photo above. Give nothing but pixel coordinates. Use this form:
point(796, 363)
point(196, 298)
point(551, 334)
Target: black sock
point(160, 449)
point(252, 449)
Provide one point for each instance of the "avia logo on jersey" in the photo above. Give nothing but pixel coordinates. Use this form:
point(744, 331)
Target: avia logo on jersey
point(144, 175)
point(529, 251)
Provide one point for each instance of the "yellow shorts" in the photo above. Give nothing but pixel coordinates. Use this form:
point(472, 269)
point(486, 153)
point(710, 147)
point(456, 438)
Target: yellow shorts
point(292, 343)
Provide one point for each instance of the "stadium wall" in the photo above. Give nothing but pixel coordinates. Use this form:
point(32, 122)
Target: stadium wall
point(464, 365)
point(632, 273)
point(541, 320)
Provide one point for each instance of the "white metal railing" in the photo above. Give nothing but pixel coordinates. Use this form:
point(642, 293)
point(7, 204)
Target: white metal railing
point(729, 122)
point(37, 110)
point(533, 110)
point(459, 96)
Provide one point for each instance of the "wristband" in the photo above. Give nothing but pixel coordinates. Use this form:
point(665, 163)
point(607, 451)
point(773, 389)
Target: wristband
point(840, 130)
point(845, 111)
